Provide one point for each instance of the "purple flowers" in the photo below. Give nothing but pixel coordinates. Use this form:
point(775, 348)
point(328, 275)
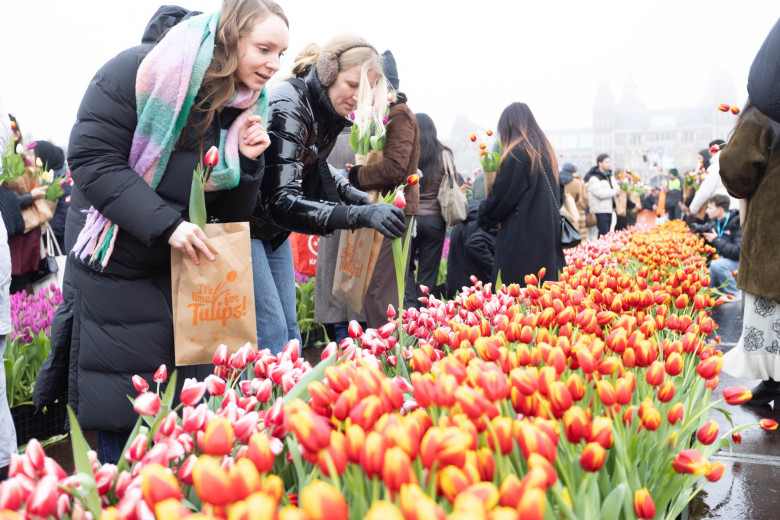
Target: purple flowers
point(33, 313)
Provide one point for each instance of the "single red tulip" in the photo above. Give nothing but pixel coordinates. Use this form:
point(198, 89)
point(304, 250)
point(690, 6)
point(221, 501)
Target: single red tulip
point(737, 395)
point(768, 424)
point(212, 157)
point(644, 507)
point(708, 433)
point(161, 375)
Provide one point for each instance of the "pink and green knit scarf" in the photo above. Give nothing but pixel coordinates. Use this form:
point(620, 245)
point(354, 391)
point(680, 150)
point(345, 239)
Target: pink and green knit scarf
point(168, 80)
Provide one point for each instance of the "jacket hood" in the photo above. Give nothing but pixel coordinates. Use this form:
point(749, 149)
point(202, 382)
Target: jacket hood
point(566, 174)
point(595, 172)
point(166, 17)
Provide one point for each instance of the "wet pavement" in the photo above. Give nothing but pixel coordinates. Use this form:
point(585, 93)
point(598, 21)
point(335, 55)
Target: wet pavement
point(750, 488)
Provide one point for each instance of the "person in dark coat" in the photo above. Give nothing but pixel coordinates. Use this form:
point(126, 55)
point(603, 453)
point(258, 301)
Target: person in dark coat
point(472, 253)
point(524, 202)
point(428, 241)
point(299, 192)
point(116, 317)
point(53, 158)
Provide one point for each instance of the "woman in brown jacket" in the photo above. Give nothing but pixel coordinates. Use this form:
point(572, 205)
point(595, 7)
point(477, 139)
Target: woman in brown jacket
point(574, 186)
point(398, 162)
point(750, 169)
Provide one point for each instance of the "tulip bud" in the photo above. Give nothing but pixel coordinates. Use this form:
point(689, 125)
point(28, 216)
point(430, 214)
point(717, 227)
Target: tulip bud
point(413, 179)
point(724, 108)
point(737, 395)
point(212, 157)
point(147, 403)
point(212, 483)
point(644, 507)
point(708, 433)
point(399, 201)
point(192, 391)
point(714, 149)
point(735, 111)
point(593, 457)
point(473, 138)
point(140, 384)
point(159, 484)
point(320, 501)
point(215, 385)
point(42, 501)
point(690, 462)
point(161, 375)
point(220, 356)
point(768, 424)
point(218, 439)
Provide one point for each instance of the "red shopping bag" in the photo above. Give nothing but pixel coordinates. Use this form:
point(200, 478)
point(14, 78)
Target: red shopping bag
point(304, 251)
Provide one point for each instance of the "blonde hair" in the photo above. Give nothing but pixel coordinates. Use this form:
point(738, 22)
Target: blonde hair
point(372, 99)
point(237, 18)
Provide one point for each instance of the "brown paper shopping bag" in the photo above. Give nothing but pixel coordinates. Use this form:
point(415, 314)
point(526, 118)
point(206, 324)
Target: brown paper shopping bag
point(357, 255)
point(355, 262)
point(214, 302)
point(38, 214)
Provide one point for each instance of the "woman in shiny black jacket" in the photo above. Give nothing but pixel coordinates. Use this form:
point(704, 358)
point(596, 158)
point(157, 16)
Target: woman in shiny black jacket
point(299, 193)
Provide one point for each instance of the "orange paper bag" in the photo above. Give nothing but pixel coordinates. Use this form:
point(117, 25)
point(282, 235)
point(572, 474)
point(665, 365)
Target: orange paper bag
point(214, 302)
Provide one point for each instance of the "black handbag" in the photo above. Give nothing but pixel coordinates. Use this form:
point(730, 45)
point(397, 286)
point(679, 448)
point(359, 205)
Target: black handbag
point(570, 237)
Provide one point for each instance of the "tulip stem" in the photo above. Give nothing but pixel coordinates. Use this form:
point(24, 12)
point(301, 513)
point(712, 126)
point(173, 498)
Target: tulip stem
point(374, 489)
point(332, 473)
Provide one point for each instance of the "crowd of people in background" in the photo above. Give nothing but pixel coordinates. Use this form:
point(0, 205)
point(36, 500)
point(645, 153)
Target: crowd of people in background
point(293, 170)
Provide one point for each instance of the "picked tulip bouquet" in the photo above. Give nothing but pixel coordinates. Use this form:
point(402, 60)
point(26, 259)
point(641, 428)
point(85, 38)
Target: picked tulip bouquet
point(584, 398)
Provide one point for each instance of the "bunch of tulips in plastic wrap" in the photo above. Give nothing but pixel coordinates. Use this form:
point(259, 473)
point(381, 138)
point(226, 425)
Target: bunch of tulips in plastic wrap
point(585, 398)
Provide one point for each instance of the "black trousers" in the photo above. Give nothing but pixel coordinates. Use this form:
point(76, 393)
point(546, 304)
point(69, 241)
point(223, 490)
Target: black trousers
point(603, 222)
point(426, 248)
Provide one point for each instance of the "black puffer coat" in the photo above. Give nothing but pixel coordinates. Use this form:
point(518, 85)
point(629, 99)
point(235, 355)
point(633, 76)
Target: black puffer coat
point(299, 192)
point(118, 322)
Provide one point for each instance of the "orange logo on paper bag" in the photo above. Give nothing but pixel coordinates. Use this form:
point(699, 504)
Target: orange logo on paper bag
point(349, 261)
point(217, 303)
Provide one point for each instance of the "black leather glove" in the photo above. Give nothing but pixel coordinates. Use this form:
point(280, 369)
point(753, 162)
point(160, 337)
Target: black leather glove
point(385, 218)
point(353, 196)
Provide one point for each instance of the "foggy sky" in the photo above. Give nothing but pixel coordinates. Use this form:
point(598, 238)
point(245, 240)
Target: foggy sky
point(454, 57)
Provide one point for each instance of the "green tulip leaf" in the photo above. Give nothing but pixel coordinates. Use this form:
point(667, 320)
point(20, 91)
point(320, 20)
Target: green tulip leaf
point(83, 466)
point(197, 202)
point(612, 506)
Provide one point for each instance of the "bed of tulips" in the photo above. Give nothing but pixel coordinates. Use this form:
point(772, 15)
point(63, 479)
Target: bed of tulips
point(588, 398)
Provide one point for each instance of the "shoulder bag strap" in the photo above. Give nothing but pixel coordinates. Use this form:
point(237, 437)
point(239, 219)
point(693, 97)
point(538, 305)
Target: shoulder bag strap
point(448, 169)
point(555, 201)
point(52, 246)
